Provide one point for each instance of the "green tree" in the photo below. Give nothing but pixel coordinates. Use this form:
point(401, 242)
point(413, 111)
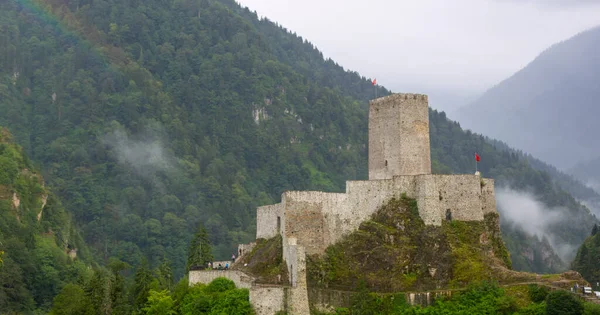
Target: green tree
point(562, 302)
point(200, 251)
point(164, 275)
point(118, 294)
point(538, 293)
point(72, 300)
point(591, 309)
point(595, 229)
point(143, 283)
point(159, 303)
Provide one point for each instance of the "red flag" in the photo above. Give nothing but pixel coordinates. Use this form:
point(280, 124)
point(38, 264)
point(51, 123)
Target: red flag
point(374, 81)
point(477, 158)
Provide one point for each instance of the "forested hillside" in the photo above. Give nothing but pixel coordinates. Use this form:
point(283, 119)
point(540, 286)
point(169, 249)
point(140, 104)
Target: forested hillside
point(588, 254)
point(40, 247)
point(148, 117)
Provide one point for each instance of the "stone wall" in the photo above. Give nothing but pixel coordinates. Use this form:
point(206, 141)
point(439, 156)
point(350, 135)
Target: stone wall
point(240, 279)
point(267, 221)
point(244, 249)
point(317, 219)
point(265, 299)
point(488, 197)
point(268, 300)
point(454, 197)
point(295, 258)
point(399, 136)
point(326, 300)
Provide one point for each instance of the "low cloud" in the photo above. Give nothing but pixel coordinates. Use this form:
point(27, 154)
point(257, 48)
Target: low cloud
point(524, 210)
point(144, 154)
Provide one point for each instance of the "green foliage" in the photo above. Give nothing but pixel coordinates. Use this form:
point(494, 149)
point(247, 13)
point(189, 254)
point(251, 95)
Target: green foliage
point(159, 303)
point(481, 298)
point(72, 300)
point(199, 253)
point(561, 302)
point(533, 309)
point(218, 297)
point(585, 261)
point(537, 293)
point(591, 309)
point(144, 283)
point(35, 235)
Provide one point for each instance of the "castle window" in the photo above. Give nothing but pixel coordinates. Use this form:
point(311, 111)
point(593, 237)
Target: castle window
point(385, 162)
point(448, 215)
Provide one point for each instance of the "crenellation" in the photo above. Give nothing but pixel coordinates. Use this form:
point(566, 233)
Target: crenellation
point(392, 98)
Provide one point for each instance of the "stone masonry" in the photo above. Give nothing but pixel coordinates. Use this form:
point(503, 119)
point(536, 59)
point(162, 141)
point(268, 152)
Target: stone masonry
point(399, 163)
point(399, 136)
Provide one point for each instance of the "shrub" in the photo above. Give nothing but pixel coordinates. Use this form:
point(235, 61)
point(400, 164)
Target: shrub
point(561, 302)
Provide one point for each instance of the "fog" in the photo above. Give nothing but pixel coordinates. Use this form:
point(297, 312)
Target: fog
point(144, 154)
point(525, 211)
point(451, 50)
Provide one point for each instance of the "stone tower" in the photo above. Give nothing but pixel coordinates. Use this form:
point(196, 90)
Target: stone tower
point(399, 136)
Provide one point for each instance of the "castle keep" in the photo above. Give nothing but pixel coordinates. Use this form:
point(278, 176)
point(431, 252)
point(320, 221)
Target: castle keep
point(399, 162)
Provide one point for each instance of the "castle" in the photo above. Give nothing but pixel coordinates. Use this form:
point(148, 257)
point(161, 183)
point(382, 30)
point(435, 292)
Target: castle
point(399, 163)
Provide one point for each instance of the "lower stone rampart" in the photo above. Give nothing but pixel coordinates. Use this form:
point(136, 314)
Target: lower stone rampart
point(268, 300)
point(240, 279)
point(327, 300)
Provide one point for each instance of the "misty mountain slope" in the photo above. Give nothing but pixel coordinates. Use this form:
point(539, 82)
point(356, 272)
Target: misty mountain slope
point(540, 221)
point(579, 189)
point(549, 108)
point(588, 171)
point(150, 117)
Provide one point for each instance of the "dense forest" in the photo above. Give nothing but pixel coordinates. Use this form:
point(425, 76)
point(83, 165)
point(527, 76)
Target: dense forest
point(588, 255)
point(37, 235)
point(149, 118)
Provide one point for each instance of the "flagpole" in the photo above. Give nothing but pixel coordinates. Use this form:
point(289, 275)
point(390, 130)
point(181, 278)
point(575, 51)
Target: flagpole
point(374, 83)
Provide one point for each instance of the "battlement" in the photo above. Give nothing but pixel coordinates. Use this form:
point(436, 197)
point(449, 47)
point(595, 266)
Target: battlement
point(393, 98)
point(399, 136)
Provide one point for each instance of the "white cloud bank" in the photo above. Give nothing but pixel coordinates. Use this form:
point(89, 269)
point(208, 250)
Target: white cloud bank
point(527, 212)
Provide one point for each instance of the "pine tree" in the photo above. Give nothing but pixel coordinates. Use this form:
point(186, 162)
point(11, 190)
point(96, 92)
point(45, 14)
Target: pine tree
point(144, 282)
point(164, 275)
point(200, 252)
point(595, 229)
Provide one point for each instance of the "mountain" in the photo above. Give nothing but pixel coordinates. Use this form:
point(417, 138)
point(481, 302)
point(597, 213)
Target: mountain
point(549, 108)
point(147, 118)
point(588, 171)
point(40, 246)
point(586, 261)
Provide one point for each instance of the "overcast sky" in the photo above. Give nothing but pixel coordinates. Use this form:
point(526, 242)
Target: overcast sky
point(452, 50)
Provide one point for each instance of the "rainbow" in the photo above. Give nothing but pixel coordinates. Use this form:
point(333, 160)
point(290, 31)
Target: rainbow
point(73, 29)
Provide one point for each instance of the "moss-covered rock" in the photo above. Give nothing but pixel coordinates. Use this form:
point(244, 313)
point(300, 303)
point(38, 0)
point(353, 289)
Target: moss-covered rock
point(265, 262)
point(396, 251)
